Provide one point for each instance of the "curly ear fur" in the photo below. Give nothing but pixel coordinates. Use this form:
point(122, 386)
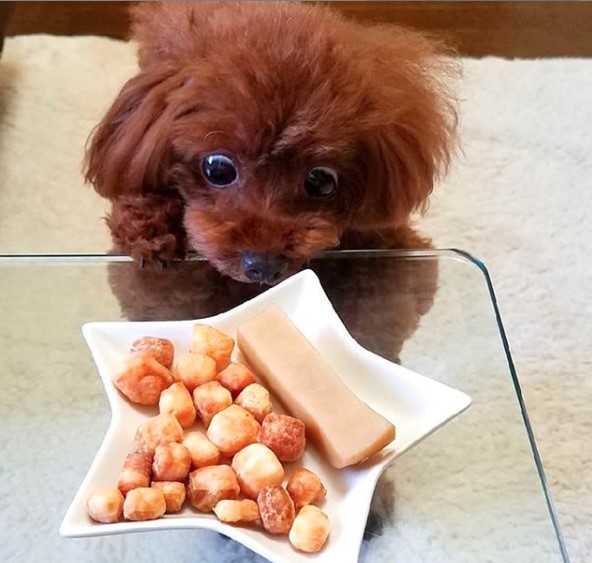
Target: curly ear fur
point(410, 143)
point(130, 149)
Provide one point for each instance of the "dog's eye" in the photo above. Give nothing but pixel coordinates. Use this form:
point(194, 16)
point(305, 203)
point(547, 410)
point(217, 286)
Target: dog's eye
point(321, 181)
point(219, 170)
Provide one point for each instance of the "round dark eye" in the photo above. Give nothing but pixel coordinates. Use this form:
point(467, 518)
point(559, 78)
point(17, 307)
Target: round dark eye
point(321, 181)
point(219, 170)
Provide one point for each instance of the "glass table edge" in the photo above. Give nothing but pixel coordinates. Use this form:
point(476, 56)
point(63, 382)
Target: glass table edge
point(451, 253)
point(478, 263)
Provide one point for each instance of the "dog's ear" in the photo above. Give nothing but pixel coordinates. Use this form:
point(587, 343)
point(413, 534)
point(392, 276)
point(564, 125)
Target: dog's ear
point(129, 150)
point(410, 135)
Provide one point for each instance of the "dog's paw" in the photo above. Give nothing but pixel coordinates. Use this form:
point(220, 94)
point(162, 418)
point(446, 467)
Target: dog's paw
point(148, 228)
point(156, 253)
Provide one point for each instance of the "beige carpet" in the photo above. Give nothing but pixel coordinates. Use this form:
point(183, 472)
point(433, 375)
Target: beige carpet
point(520, 198)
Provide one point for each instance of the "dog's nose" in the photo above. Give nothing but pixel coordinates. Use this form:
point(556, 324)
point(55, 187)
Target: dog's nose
point(263, 268)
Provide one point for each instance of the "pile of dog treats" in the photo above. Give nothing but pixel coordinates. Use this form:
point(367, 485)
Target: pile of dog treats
point(215, 444)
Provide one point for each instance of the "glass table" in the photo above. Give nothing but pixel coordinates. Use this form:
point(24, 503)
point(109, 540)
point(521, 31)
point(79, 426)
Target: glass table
point(473, 491)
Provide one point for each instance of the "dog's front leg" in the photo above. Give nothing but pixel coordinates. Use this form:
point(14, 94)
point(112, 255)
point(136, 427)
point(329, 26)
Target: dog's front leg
point(148, 227)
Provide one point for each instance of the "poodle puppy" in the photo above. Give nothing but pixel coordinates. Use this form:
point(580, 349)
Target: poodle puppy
point(259, 134)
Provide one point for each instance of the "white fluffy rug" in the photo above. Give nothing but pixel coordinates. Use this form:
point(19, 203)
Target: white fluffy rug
point(520, 198)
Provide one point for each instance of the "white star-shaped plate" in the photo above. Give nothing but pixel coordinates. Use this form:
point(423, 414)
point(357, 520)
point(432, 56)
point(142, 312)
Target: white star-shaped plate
point(416, 405)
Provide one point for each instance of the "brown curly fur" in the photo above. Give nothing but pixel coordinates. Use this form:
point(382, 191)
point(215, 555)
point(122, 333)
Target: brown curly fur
point(282, 87)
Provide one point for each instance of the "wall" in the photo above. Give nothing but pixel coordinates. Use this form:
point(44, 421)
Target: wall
point(510, 29)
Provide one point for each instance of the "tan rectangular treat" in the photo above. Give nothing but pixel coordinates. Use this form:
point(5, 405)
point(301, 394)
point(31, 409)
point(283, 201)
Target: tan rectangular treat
point(345, 429)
